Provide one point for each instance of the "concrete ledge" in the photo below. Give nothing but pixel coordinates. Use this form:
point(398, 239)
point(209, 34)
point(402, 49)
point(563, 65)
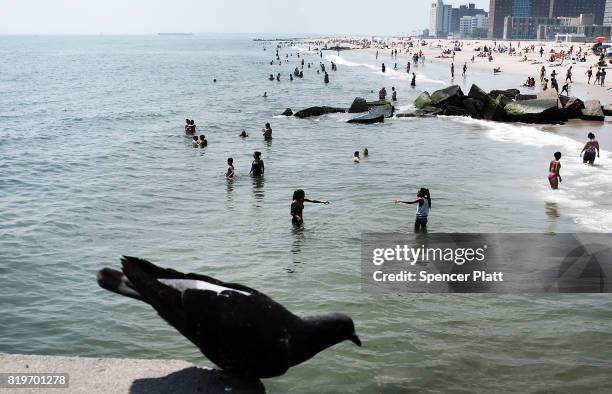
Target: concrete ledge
point(122, 375)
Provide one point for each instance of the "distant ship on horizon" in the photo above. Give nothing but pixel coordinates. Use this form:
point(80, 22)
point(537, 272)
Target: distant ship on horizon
point(175, 34)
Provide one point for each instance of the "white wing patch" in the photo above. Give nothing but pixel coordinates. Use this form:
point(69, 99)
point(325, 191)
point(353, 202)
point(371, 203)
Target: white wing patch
point(184, 284)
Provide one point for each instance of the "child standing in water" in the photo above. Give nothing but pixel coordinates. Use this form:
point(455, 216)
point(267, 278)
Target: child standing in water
point(554, 177)
point(230, 168)
point(424, 201)
point(297, 206)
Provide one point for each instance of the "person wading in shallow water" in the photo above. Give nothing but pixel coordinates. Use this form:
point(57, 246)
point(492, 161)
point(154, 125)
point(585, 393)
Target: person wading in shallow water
point(257, 166)
point(297, 206)
point(424, 201)
point(590, 149)
point(554, 176)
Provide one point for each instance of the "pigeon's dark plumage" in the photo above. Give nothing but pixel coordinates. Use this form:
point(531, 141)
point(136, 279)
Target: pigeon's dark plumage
point(238, 328)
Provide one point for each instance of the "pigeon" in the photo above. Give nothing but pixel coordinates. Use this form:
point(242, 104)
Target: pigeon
point(239, 329)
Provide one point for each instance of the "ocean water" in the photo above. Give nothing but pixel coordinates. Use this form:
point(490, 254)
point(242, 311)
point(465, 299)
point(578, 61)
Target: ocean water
point(94, 164)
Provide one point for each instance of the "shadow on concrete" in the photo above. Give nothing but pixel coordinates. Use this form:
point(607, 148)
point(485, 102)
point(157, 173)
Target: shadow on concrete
point(197, 380)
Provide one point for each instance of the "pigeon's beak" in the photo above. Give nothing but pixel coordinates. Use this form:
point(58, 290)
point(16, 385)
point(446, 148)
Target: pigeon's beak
point(355, 339)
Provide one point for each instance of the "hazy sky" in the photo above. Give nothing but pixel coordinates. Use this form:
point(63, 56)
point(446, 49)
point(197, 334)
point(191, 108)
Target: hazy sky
point(237, 16)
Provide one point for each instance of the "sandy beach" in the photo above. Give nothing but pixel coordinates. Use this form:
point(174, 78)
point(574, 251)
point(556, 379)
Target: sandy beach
point(511, 63)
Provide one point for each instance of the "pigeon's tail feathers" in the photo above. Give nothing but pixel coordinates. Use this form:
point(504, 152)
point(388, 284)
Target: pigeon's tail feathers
point(115, 281)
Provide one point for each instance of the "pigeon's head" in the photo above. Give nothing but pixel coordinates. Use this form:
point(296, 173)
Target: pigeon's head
point(341, 326)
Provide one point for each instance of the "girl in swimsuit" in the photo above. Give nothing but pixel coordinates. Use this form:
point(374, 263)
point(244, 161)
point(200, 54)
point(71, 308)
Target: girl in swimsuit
point(424, 201)
point(297, 206)
point(590, 148)
point(554, 177)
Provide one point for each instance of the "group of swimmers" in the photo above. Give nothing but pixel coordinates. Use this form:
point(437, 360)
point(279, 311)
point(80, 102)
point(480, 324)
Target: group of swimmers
point(588, 153)
point(357, 157)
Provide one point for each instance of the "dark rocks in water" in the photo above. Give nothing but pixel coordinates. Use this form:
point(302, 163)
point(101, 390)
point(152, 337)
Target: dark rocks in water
point(573, 106)
point(479, 94)
point(552, 116)
point(439, 97)
point(593, 111)
point(368, 118)
point(451, 110)
point(520, 97)
point(508, 93)
point(287, 112)
point(492, 110)
point(607, 110)
point(423, 100)
point(317, 111)
point(473, 107)
point(386, 110)
point(431, 110)
point(359, 105)
point(378, 103)
point(530, 106)
point(414, 114)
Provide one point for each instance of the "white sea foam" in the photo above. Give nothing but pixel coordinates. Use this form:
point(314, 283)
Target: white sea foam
point(390, 72)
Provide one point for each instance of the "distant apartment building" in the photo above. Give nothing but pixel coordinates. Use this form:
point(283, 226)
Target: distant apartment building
point(573, 8)
point(607, 20)
point(461, 11)
point(524, 27)
point(440, 19)
point(473, 26)
point(498, 11)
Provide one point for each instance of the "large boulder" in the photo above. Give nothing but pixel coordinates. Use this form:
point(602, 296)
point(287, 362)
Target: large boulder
point(479, 94)
point(359, 105)
point(423, 100)
point(530, 106)
point(592, 111)
point(368, 118)
point(317, 111)
point(493, 110)
point(451, 110)
point(573, 107)
point(473, 107)
point(542, 111)
point(287, 112)
point(385, 110)
point(508, 93)
point(440, 97)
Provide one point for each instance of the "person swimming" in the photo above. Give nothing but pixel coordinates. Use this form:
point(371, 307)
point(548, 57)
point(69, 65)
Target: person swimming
point(203, 141)
point(271, 77)
point(356, 158)
point(195, 142)
point(590, 149)
point(267, 132)
point(192, 126)
point(554, 175)
point(243, 134)
point(230, 168)
point(186, 125)
point(382, 94)
point(365, 152)
point(257, 166)
point(424, 201)
point(297, 206)
point(265, 94)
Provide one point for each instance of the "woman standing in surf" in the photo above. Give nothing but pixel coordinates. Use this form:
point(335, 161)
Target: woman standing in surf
point(590, 149)
point(297, 206)
point(424, 201)
point(554, 168)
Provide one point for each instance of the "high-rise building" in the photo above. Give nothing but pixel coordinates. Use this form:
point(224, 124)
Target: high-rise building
point(573, 8)
point(473, 26)
point(498, 10)
point(521, 8)
point(540, 8)
point(607, 21)
point(463, 10)
point(440, 19)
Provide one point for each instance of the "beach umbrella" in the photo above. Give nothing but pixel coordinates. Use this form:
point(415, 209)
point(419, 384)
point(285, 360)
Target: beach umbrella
point(600, 38)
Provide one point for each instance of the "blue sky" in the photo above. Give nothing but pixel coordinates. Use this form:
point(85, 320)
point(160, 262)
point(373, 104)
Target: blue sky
point(225, 16)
